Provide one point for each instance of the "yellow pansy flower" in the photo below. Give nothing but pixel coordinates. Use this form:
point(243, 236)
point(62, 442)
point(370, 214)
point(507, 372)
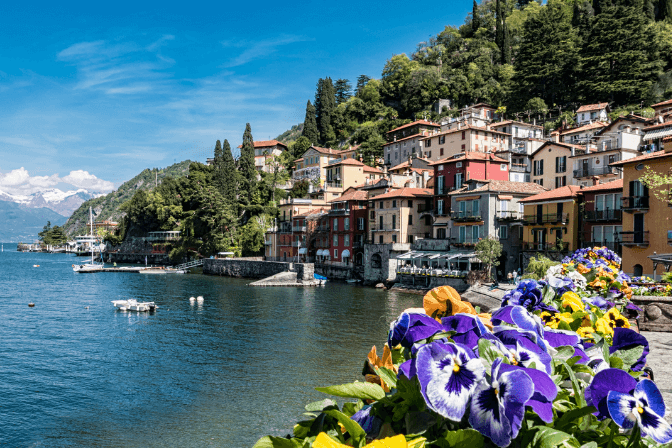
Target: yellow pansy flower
point(602, 325)
point(399, 441)
point(585, 332)
point(572, 300)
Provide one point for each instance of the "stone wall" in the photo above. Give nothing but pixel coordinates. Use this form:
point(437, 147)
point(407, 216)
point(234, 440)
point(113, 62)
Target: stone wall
point(380, 264)
point(427, 282)
point(244, 268)
point(657, 314)
point(334, 272)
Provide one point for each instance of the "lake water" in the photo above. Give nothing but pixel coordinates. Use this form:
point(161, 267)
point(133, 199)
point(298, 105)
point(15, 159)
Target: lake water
point(76, 373)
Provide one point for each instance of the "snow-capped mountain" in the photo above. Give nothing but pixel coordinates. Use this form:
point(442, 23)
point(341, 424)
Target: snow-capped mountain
point(62, 202)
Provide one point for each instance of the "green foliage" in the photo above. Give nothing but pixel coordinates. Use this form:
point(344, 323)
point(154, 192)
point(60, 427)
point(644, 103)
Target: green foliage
point(488, 250)
point(537, 267)
point(52, 236)
point(300, 189)
point(659, 185)
point(310, 131)
point(363, 391)
point(343, 90)
point(248, 172)
point(325, 105)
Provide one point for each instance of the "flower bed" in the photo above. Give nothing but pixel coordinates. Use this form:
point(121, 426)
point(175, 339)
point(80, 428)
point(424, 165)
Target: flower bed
point(556, 365)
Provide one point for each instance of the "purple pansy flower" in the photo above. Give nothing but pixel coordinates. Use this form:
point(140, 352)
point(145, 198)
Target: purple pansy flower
point(468, 329)
point(448, 375)
point(605, 381)
point(625, 338)
point(523, 349)
point(597, 301)
point(498, 405)
point(558, 338)
point(410, 328)
point(369, 423)
point(545, 391)
point(520, 317)
point(645, 407)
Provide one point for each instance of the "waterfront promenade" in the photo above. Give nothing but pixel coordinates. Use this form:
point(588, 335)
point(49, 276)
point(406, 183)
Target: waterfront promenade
point(660, 360)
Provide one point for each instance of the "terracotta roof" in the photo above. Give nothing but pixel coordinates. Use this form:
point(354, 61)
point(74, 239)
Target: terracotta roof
point(324, 150)
point(421, 122)
point(465, 128)
point(659, 125)
point(585, 127)
point(501, 186)
point(351, 194)
point(591, 107)
point(471, 156)
point(266, 144)
point(568, 146)
point(479, 105)
point(371, 169)
point(402, 139)
point(662, 103)
point(505, 122)
point(311, 212)
point(299, 160)
point(569, 191)
point(405, 164)
point(613, 185)
point(651, 155)
point(406, 193)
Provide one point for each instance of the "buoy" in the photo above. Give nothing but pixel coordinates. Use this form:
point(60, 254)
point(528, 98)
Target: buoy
point(31, 304)
point(199, 298)
point(36, 265)
point(192, 299)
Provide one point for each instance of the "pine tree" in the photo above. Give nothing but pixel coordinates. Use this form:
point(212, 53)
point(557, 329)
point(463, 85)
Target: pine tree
point(343, 90)
point(499, 27)
point(649, 10)
point(248, 173)
point(362, 80)
point(619, 58)
point(325, 103)
point(230, 175)
point(218, 178)
point(475, 19)
point(310, 125)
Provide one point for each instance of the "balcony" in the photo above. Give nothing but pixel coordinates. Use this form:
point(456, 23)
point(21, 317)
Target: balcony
point(518, 149)
point(334, 184)
point(548, 218)
point(593, 171)
point(378, 228)
point(509, 215)
point(339, 211)
point(632, 203)
point(635, 239)
point(298, 229)
point(611, 245)
point(284, 229)
point(544, 246)
point(519, 168)
point(268, 243)
point(466, 241)
point(466, 216)
point(604, 215)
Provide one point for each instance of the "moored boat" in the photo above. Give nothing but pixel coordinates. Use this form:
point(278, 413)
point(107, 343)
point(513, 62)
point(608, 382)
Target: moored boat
point(134, 305)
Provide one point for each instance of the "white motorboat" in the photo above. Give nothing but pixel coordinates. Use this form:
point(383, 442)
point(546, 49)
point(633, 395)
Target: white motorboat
point(134, 305)
point(92, 266)
point(152, 271)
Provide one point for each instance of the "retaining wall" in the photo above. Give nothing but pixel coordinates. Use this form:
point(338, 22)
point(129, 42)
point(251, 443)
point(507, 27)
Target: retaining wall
point(245, 268)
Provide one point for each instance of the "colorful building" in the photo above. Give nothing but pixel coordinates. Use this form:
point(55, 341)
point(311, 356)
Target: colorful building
point(398, 216)
point(602, 215)
point(348, 224)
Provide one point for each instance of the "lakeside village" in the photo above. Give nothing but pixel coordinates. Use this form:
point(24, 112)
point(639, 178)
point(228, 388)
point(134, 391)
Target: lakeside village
point(416, 217)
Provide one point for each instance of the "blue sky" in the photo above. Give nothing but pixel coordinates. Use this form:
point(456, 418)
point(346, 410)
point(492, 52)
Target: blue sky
point(93, 93)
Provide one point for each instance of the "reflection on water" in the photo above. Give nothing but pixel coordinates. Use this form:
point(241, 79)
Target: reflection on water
point(75, 372)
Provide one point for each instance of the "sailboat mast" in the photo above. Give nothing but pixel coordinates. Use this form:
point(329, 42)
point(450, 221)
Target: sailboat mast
point(91, 223)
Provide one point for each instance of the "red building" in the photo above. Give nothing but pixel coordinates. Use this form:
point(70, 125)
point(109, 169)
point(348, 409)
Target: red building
point(294, 235)
point(602, 216)
point(348, 227)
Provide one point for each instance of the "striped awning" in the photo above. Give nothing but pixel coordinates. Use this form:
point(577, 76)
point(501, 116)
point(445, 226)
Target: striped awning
point(658, 133)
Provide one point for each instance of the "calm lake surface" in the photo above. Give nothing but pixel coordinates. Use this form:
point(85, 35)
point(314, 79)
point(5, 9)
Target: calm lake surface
point(76, 373)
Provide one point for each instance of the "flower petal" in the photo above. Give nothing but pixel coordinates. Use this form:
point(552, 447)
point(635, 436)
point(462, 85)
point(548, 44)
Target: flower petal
point(605, 381)
point(647, 390)
point(407, 368)
point(469, 329)
point(654, 426)
point(545, 391)
point(516, 389)
point(487, 415)
point(621, 408)
point(558, 338)
point(626, 338)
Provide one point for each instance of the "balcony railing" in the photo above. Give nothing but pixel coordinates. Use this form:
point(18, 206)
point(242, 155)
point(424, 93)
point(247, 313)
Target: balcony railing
point(334, 184)
point(548, 218)
point(384, 228)
point(604, 215)
point(545, 246)
point(593, 171)
point(612, 245)
point(339, 211)
point(640, 238)
point(509, 215)
point(635, 203)
point(466, 241)
point(518, 149)
point(466, 216)
point(299, 229)
point(519, 168)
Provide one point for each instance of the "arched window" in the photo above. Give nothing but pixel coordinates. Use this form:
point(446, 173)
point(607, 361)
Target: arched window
point(359, 258)
point(376, 261)
point(638, 270)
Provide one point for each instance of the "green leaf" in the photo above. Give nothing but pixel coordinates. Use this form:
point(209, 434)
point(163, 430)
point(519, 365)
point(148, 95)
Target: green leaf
point(616, 362)
point(388, 376)
point(353, 428)
point(562, 325)
point(564, 353)
point(276, 442)
point(548, 294)
point(572, 416)
point(578, 393)
point(629, 356)
point(462, 438)
point(546, 437)
point(487, 351)
point(363, 391)
point(317, 406)
point(589, 445)
point(351, 408)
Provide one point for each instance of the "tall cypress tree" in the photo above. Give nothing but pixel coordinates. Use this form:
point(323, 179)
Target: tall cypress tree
point(475, 19)
point(499, 29)
point(343, 90)
point(649, 10)
point(248, 173)
point(506, 51)
point(325, 103)
point(230, 174)
point(310, 125)
point(218, 177)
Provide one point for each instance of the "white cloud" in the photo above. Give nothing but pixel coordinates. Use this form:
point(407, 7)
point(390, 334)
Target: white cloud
point(83, 179)
point(260, 49)
point(20, 182)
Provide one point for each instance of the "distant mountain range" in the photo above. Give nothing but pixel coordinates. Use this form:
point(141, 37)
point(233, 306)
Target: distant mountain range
point(21, 224)
point(62, 202)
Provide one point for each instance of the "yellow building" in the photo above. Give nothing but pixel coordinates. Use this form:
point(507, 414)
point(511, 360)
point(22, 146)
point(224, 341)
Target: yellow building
point(552, 164)
point(396, 216)
point(551, 221)
point(345, 173)
point(647, 221)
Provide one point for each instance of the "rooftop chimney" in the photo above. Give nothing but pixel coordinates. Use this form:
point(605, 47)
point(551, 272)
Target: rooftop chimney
point(596, 180)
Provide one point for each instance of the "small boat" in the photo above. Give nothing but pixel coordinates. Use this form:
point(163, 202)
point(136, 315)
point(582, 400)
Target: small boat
point(175, 271)
point(320, 278)
point(153, 271)
point(134, 305)
point(92, 266)
point(353, 280)
point(36, 265)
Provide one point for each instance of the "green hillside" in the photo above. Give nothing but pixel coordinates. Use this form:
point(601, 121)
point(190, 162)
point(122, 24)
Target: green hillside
point(290, 135)
point(107, 207)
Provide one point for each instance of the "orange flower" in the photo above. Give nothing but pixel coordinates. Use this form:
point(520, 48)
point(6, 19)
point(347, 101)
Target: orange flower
point(598, 284)
point(445, 301)
point(374, 361)
point(582, 269)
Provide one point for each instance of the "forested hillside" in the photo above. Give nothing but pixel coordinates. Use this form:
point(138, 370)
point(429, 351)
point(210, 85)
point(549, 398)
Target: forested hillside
point(531, 61)
point(108, 207)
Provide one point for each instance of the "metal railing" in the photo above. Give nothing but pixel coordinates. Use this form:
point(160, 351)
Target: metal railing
point(593, 171)
point(384, 228)
point(635, 238)
point(634, 202)
point(334, 184)
point(509, 215)
point(545, 246)
point(604, 215)
point(611, 245)
point(466, 216)
point(298, 228)
point(518, 149)
point(547, 218)
point(339, 211)
point(465, 240)
point(519, 168)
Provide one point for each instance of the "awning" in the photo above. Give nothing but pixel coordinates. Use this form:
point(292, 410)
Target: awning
point(406, 256)
point(658, 133)
point(504, 197)
point(345, 253)
point(302, 250)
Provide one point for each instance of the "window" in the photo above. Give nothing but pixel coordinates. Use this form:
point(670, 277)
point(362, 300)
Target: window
point(464, 136)
point(372, 215)
point(394, 238)
point(394, 222)
point(335, 224)
point(503, 232)
point(380, 240)
point(429, 143)
point(380, 221)
point(502, 166)
point(346, 223)
point(346, 240)
point(335, 254)
point(394, 203)
point(613, 158)
point(442, 139)
point(539, 167)
point(429, 154)
point(476, 146)
point(440, 185)
point(441, 151)
point(360, 223)
point(561, 164)
point(439, 207)
point(539, 182)
point(520, 233)
point(388, 157)
point(462, 234)
point(410, 203)
point(458, 180)
point(410, 220)
point(462, 147)
point(428, 220)
point(560, 181)
point(458, 165)
point(441, 233)
point(380, 204)
point(335, 240)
